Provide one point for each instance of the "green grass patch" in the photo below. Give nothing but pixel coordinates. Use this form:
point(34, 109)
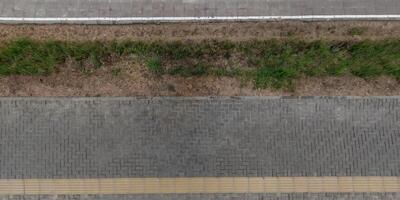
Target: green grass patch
point(269, 63)
point(154, 65)
point(27, 57)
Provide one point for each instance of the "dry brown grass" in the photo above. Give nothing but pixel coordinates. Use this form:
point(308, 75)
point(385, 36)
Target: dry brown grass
point(134, 80)
point(199, 31)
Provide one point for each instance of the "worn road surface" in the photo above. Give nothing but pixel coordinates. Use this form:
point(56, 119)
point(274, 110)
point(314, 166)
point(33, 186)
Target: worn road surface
point(126, 11)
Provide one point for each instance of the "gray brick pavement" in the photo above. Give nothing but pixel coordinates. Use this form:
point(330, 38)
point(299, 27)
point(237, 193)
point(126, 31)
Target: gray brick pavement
point(194, 8)
point(169, 137)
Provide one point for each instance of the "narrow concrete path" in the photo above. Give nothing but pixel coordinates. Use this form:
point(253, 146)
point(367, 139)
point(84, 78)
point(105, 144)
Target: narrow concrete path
point(126, 11)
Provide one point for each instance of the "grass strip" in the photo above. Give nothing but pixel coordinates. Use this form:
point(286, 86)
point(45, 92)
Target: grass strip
point(270, 63)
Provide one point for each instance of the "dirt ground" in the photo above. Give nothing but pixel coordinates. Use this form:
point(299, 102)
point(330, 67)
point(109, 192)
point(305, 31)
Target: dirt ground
point(328, 30)
point(134, 80)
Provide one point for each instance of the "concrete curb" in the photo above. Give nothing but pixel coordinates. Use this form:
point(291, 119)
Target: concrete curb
point(192, 98)
point(133, 20)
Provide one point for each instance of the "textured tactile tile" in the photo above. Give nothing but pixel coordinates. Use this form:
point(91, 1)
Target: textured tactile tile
point(200, 185)
point(281, 196)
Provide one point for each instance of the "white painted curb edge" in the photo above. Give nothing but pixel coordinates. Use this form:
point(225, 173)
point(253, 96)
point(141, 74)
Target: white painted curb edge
point(119, 20)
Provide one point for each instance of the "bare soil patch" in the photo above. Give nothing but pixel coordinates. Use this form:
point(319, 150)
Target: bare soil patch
point(339, 30)
point(134, 80)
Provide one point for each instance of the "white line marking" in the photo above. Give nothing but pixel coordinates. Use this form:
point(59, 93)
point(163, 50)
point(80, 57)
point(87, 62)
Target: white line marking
point(180, 19)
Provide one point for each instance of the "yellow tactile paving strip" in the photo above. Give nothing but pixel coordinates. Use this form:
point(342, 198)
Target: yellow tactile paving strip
point(199, 185)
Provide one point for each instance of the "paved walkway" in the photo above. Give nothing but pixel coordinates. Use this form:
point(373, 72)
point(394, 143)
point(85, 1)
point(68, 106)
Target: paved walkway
point(191, 137)
point(334, 144)
point(125, 11)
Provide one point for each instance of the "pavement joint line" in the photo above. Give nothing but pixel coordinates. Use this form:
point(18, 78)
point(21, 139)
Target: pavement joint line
point(200, 185)
point(183, 19)
point(199, 98)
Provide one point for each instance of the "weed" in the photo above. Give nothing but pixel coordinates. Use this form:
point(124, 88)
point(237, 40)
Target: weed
point(154, 65)
point(277, 77)
point(116, 71)
point(356, 31)
point(178, 70)
point(220, 72)
point(366, 71)
point(199, 70)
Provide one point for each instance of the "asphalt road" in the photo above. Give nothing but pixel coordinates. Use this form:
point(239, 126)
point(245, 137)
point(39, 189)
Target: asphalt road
point(126, 11)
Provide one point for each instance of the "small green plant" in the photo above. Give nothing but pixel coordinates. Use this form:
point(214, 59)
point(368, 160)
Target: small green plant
point(116, 71)
point(199, 70)
point(277, 77)
point(356, 31)
point(178, 70)
point(154, 65)
point(96, 61)
point(220, 72)
point(336, 70)
point(393, 70)
point(367, 71)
